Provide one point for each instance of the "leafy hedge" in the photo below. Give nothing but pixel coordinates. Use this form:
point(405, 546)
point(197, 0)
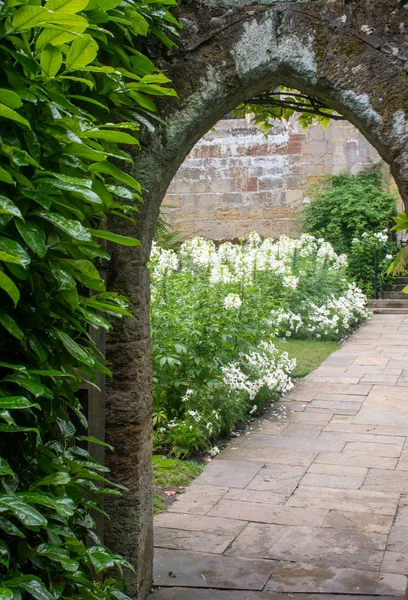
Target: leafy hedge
point(347, 206)
point(75, 87)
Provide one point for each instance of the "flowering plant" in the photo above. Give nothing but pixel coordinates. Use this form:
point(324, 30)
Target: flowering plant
point(215, 313)
point(369, 258)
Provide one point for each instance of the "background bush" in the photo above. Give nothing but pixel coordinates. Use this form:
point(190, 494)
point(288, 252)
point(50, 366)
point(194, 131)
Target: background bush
point(346, 208)
point(75, 88)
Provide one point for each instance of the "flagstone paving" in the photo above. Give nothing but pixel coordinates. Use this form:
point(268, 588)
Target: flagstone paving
point(311, 503)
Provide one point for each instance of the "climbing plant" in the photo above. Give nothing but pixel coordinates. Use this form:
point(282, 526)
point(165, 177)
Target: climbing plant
point(76, 89)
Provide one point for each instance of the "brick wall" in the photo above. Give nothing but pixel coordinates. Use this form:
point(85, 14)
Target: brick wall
point(235, 181)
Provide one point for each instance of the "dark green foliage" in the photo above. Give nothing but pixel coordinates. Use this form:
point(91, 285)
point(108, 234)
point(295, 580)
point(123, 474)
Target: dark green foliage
point(75, 85)
point(347, 206)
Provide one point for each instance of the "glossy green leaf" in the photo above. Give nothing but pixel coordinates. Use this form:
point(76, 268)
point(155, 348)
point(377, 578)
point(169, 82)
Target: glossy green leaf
point(84, 151)
point(7, 207)
point(4, 554)
point(6, 594)
point(5, 176)
point(12, 115)
point(16, 403)
point(11, 529)
point(5, 468)
point(25, 513)
point(152, 89)
point(30, 16)
point(114, 237)
point(11, 251)
point(59, 554)
point(51, 60)
point(109, 169)
point(82, 52)
point(68, 226)
point(58, 478)
point(115, 137)
point(17, 429)
point(73, 348)
point(33, 236)
point(67, 6)
point(10, 98)
point(100, 558)
point(32, 585)
point(56, 35)
point(10, 324)
point(9, 287)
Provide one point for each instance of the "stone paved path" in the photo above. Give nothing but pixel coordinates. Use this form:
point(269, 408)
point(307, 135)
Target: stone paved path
point(312, 503)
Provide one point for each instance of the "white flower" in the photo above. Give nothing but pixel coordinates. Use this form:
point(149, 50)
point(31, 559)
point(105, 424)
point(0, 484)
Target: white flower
point(254, 409)
point(187, 395)
point(232, 302)
point(162, 429)
point(214, 451)
point(389, 257)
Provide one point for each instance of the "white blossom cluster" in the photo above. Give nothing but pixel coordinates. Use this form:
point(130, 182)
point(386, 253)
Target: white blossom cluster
point(257, 370)
point(380, 236)
point(335, 316)
point(232, 302)
point(233, 263)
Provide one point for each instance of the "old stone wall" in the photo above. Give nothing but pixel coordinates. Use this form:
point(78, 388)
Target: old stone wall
point(235, 180)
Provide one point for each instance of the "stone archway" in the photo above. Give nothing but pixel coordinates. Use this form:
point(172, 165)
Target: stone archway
point(350, 54)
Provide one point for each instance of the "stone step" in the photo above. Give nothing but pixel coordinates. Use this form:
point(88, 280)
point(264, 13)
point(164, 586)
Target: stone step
point(398, 287)
point(390, 311)
point(383, 303)
point(402, 280)
point(395, 296)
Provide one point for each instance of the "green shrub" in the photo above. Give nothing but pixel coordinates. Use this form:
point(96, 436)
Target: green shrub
point(75, 86)
point(349, 212)
point(347, 206)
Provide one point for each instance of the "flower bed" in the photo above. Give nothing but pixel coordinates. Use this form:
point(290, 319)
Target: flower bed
point(215, 315)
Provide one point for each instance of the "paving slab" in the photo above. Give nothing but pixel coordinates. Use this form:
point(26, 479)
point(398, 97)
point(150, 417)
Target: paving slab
point(358, 521)
point(198, 541)
point(395, 562)
point(256, 496)
point(229, 473)
point(332, 397)
point(303, 430)
point(268, 454)
point(293, 443)
point(398, 539)
point(330, 480)
point(365, 438)
point(353, 549)
point(212, 594)
point(198, 500)
point(376, 449)
point(320, 578)
point(383, 480)
point(277, 478)
point(315, 417)
point(357, 459)
point(339, 425)
point(207, 524)
point(176, 568)
point(266, 513)
point(367, 501)
point(340, 406)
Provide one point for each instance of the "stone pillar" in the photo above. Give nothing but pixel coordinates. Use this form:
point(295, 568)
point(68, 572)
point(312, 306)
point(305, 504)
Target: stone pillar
point(129, 425)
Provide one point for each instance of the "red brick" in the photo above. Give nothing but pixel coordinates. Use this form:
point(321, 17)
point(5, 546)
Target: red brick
point(247, 184)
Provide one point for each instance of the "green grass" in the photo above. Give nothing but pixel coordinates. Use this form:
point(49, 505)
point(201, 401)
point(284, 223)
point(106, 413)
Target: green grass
point(309, 354)
point(169, 475)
